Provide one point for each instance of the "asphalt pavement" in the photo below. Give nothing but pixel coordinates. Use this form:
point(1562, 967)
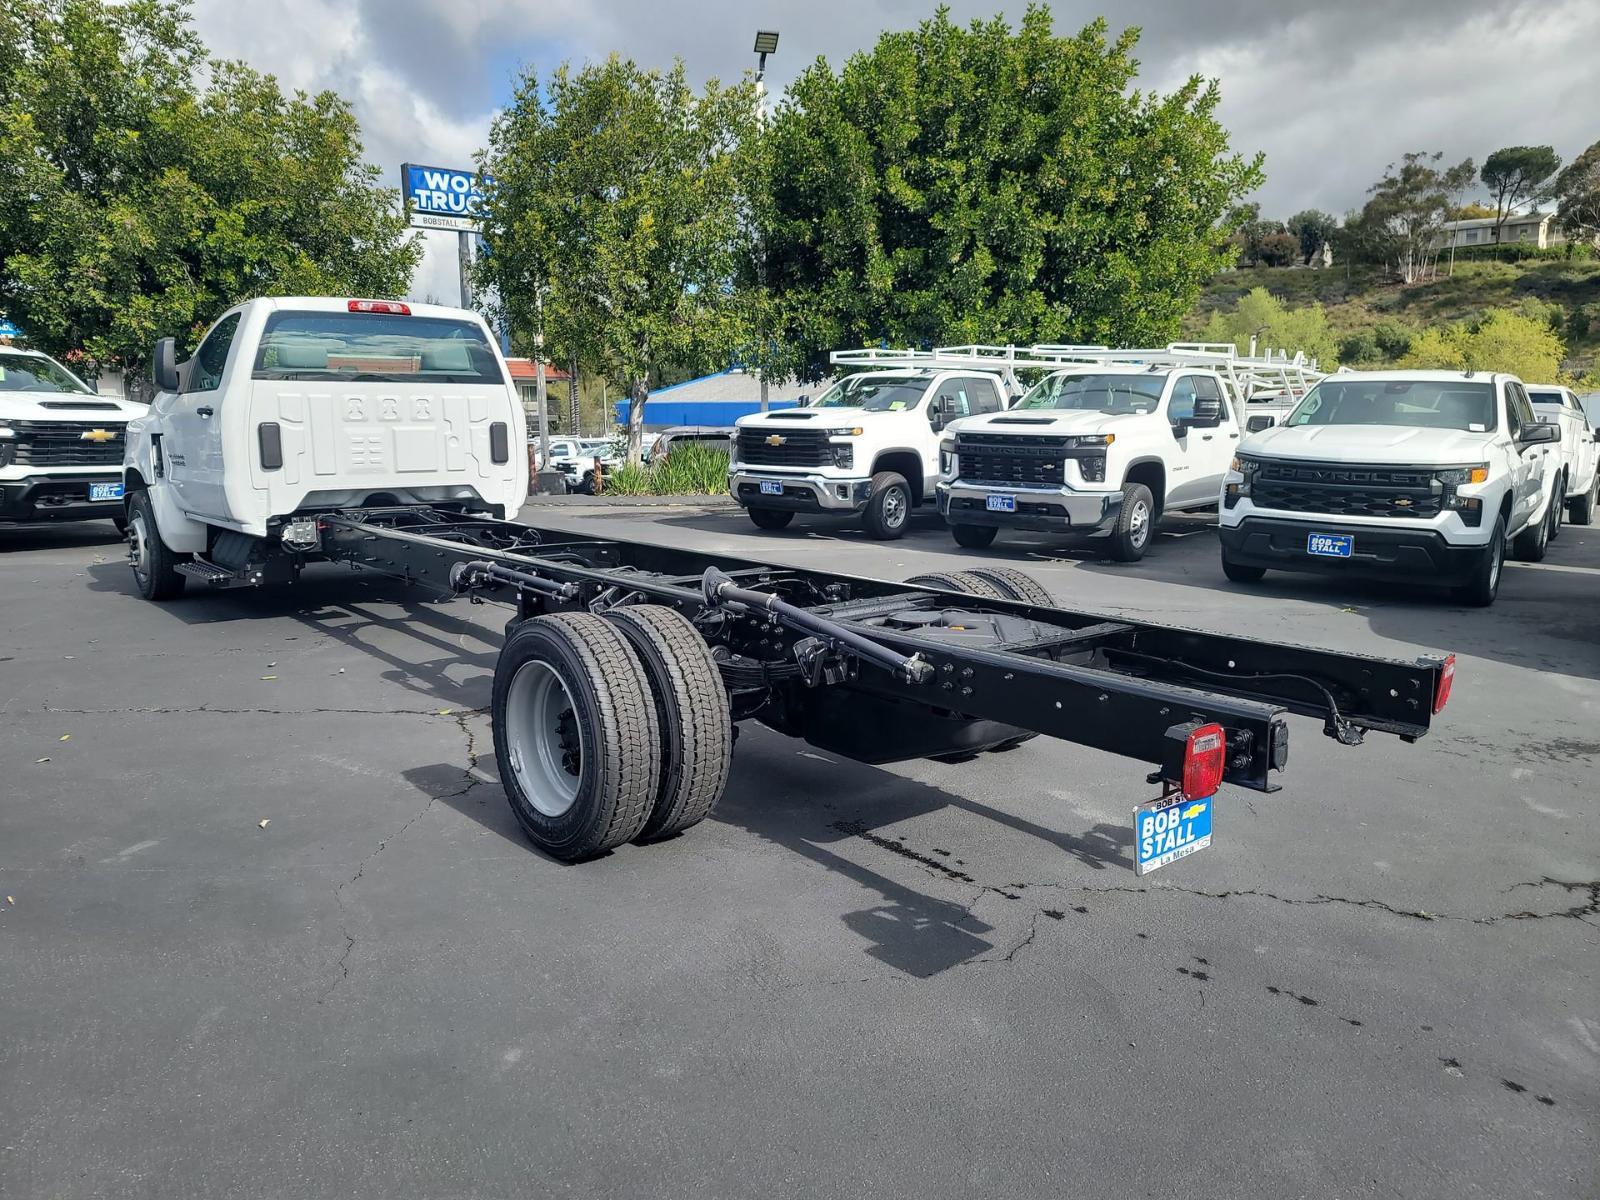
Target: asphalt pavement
point(268, 928)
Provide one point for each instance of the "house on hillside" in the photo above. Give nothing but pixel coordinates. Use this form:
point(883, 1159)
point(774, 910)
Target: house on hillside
point(716, 400)
point(1527, 229)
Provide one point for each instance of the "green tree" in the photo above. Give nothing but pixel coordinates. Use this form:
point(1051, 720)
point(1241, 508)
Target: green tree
point(1402, 221)
point(1314, 229)
point(1279, 249)
point(1577, 192)
point(618, 221)
point(979, 183)
point(1262, 318)
point(135, 202)
point(1503, 340)
point(1517, 174)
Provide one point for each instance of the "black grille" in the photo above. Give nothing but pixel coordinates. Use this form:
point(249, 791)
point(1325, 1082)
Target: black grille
point(1347, 491)
point(1011, 458)
point(795, 448)
point(63, 444)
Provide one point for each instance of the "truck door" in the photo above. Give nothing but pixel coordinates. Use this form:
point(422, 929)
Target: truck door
point(1201, 455)
point(1528, 468)
point(192, 449)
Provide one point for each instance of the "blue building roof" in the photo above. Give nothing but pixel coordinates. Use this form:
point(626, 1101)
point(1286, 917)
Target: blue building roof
point(718, 399)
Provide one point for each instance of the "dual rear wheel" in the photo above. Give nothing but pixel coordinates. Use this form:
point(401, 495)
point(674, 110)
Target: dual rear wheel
point(609, 729)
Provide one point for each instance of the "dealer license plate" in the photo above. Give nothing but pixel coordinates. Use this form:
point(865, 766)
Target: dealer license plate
point(771, 487)
point(1001, 503)
point(1168, 829)
point(1330, 545)
point(105, 491)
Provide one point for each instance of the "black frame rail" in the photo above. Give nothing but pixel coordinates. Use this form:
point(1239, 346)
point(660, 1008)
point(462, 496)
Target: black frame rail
point(1107, 682)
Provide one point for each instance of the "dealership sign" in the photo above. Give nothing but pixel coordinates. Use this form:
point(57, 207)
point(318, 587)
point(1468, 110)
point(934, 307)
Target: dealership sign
point(441, 197)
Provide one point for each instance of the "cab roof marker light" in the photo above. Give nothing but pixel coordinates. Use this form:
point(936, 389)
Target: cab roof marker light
point(392, 307)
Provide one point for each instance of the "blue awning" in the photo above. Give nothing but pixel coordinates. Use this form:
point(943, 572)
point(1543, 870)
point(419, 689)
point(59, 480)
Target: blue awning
point(666, 412)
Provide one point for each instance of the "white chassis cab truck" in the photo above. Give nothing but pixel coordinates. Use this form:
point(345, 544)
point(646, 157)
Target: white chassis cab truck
point(60, 443)
point(1579, 450)
point(297, 405)
point(1417, 475)
point(868, 445)
point(1102, 445)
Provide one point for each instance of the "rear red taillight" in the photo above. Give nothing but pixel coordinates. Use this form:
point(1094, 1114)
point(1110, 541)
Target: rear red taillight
point(1203, 758)
point(392, 307)
point(1447, 679)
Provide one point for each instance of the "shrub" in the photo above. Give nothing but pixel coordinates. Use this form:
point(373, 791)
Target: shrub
point(1504, 340)
point(1359, 347)
point(1394, 339)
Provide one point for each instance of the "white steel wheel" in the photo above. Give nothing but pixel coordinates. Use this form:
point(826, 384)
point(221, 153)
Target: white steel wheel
point(544, 743)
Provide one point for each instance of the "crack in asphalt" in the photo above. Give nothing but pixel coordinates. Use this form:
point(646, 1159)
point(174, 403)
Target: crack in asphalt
point(469, 781)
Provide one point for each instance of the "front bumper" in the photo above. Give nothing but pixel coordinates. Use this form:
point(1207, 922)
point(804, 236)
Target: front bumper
point(1378, 552)
point(801, 493)
point(1044, 510)
point(56, 497)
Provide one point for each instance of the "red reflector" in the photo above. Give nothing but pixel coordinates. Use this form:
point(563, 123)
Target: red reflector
point(1447, 679)
point(393, 307)
point(1203, 759)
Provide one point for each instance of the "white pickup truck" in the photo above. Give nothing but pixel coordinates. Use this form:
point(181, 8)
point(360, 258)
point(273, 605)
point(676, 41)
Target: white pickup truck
point(60, 443)
point(1419, 475)
point(868, 445)
point(1579, 449)
point(298, 405)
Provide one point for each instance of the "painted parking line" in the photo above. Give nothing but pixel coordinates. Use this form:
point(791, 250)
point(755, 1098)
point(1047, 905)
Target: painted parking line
point(1526, 566)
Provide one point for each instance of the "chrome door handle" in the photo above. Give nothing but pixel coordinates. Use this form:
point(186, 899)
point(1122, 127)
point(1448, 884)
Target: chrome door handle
point(205, 411)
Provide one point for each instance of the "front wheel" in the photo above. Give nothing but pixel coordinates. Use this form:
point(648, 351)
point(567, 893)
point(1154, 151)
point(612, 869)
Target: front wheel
point(889, 507)
point(1239, 572)
point(769, 518)
point(155, 567)
point(1533, 541)
point(1484, 584)
point(1580, 509)
point(973, 537)
point(1558, 508)
point(1135, 522)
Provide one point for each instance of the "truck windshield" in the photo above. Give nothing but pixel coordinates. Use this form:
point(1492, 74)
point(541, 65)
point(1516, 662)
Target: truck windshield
point(873, 394)
point(1422, 404)
point(28, 373)
point(375, 348)
point(1097, 393)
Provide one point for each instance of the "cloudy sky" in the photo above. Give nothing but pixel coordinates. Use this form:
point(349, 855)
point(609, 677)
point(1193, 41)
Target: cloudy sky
point(1331, 92)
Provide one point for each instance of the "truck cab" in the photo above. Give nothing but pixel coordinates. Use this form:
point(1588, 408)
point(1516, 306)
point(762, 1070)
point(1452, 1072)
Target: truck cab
point(1579, 449)
point(868, 445)
point(295, 405)
point(1101, 448)
point(60, 443)
point(1419, 475)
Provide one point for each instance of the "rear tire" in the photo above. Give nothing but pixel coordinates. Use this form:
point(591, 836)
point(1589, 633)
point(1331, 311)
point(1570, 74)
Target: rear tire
point(1015, 585)
point(1532, 542)
point(973, 537)
point(1480, 590)
point(1239, 573)
point(770, 518)
point(576, 734)
point(1558, 508)
point(154, 566)
point(1580, 509)
point(692, 708)
point(1136, 520)
point(959, 581)
point(889, 507)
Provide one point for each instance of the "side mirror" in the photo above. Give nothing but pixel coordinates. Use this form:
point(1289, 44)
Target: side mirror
point(1537, 433)
point(164, 365)
point(1207, 412)
point(802, 401)
point(941, 410)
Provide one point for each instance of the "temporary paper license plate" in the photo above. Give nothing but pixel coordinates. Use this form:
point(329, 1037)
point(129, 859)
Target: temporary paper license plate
point(771, 487)
point(1330, 545)
point(1168, 829)
point(1001, 503)
point(105, 491)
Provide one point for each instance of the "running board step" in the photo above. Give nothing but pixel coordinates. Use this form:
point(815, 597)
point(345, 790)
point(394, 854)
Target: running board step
point(209, 573)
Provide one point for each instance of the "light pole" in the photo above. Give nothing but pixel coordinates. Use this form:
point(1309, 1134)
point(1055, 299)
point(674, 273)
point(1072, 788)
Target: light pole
point(766, 43)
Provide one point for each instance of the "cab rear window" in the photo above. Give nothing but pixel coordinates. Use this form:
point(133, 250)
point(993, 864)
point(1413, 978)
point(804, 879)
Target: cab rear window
point(375, 348)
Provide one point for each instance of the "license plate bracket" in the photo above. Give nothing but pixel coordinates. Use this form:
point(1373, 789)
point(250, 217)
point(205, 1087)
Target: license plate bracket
point(1330, 545)
point(1169, 828)
point(771, 487)
point(1001, 503)
point(105, 491)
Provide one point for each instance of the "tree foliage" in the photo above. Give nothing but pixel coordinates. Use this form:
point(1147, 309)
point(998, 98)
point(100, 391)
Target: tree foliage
point(1261, 317)
point(1518, 174)
point(982, 183)
point(1577, 191)
point(1313, 229)
point(1502, 340)
point(1402, 221)
point(618, 220)
point(137, 200)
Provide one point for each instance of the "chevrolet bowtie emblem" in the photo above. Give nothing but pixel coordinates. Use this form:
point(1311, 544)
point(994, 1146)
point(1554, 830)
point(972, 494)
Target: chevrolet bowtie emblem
point(776, 439)
point(97, 435)
point(1402, 503)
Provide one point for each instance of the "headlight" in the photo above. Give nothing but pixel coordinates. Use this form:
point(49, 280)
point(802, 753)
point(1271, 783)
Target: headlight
point(1091, 439)
point(853, 431)
point(6, 431)
point(1460, 476)
point(1245, 466)
point(947, 456)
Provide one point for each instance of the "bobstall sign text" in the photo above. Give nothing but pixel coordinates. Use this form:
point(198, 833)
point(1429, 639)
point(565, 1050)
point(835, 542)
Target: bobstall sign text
point(442, 197)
